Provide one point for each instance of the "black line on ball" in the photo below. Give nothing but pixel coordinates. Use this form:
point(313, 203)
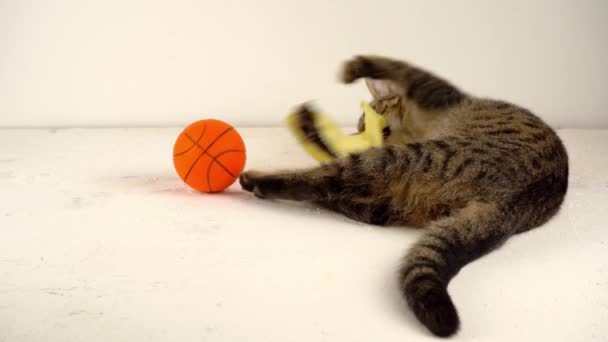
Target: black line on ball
point(194, 143)
point(204, 151)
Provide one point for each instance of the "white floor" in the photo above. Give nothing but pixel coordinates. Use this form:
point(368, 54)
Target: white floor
point(102, 242)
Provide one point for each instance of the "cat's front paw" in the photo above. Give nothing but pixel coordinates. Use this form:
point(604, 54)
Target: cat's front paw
point(356, 68)
point(252, 181)
point(246, 181)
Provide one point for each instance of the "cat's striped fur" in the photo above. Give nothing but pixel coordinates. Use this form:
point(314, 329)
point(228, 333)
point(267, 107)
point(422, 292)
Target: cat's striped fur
point(471, 171)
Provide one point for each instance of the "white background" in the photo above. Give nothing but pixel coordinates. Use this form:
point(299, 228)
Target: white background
point(153, 63)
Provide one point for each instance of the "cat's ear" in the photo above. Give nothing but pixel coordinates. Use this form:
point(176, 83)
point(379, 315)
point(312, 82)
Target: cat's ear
point(382, 88)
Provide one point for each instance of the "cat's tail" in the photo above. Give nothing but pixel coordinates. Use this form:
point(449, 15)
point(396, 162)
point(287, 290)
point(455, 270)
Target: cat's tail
point(448, 245)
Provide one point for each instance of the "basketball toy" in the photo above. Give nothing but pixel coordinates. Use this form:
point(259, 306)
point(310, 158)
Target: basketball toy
point(209, 155)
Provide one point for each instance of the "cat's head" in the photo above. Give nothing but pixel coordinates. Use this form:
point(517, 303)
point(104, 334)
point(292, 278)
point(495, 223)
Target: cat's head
point(387, 100)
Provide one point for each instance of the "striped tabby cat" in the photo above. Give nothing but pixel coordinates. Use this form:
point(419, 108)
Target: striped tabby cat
point(471, 171)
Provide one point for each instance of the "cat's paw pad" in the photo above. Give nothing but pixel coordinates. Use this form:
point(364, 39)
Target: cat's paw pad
point(257, 191)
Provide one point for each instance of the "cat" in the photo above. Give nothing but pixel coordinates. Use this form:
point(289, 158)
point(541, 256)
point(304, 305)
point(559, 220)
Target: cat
point(471, 171)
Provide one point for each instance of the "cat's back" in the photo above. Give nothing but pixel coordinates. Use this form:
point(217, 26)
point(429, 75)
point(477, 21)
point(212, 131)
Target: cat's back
point(504, 129)
point(521, 158)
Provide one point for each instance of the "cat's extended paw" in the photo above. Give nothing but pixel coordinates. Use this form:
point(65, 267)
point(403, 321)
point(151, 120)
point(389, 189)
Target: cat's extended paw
point(246, 181)
point(253, 181)
point(356, 68)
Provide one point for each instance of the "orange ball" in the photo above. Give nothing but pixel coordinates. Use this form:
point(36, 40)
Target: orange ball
point(209, 155)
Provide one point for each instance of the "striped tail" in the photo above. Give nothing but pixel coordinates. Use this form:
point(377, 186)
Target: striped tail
point(448, 245)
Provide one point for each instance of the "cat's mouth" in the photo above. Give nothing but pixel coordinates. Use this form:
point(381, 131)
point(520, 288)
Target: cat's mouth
point(386, 132)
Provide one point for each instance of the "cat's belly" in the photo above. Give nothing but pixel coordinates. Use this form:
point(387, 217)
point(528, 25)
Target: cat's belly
point(421, 202)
